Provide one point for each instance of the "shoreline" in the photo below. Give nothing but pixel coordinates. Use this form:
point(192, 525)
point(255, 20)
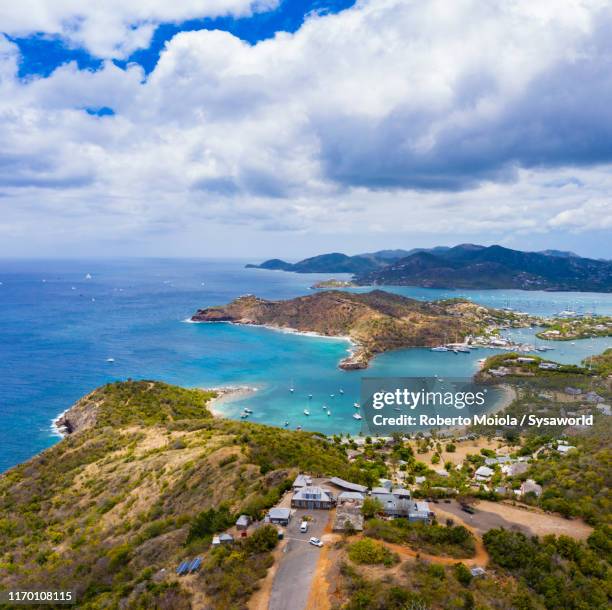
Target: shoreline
point(227, 394)
point(282, 329)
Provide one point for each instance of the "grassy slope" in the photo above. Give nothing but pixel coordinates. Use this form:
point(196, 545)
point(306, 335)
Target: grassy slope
point(110, 506)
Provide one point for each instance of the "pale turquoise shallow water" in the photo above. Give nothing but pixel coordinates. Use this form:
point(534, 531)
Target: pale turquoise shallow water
point(54, 341)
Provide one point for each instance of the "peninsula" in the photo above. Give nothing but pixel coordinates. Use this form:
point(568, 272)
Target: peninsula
point(375, 322)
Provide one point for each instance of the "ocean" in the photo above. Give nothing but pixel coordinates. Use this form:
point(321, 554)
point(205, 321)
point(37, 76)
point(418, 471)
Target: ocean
point(61, 320)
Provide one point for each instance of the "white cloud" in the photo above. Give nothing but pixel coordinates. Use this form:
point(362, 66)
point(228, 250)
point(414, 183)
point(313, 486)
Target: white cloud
point(392, 116)
point(113, 28)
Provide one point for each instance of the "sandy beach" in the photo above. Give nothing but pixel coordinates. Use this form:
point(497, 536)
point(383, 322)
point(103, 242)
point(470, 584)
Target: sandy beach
point(227, 394)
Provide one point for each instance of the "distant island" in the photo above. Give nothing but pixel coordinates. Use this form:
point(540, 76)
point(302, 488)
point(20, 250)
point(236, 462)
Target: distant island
point(333, 283)
point(375, 322)
point(466, 266)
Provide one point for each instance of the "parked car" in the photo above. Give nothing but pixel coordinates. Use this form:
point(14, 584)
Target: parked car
point(304, 527)
point(467, 509)
point(315, 542)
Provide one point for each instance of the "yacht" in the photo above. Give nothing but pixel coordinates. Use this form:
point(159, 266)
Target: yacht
point(341, 391)
point(357, 416)
point(440, 348)
point(356, 405)
point(306, 412)
point(110, 360)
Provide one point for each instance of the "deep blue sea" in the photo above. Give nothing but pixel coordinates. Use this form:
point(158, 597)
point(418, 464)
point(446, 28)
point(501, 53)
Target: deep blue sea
point(61, 320)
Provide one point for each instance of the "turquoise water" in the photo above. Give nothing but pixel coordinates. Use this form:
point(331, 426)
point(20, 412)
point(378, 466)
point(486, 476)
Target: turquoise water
point(54, 342)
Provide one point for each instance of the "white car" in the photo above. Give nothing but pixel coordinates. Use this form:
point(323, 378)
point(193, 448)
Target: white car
point(315, 542)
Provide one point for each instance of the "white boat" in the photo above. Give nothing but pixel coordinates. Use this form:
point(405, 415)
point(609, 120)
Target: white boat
point(440, 348)
point(341, 391)
point(286, 423)
point(298, 427)
point(331, 395)
point(356, 405)
point(88, 276)
point(110, 360)
point(306, 412)
point(246, 410)
point(357, 416)
point(244, 415)
point(309, 396)
point(328, 412)
point(325, 407)
point(292, 390)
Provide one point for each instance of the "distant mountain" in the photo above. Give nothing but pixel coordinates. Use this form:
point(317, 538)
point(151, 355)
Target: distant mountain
point(559, 253)
point(471, 266)
point(334, 262)
point(463, 266)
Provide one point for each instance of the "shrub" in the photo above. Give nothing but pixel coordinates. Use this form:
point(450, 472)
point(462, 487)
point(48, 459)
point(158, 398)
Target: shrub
point(462, 574)
point(369, 551)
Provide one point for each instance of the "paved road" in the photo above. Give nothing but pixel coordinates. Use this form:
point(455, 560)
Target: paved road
point(297, 567)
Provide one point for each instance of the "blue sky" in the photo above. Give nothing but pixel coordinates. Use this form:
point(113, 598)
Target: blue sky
point(259, 127)
point(42, 53)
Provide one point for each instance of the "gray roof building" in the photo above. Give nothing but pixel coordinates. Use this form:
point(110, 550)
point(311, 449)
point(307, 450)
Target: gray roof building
point(338, 482)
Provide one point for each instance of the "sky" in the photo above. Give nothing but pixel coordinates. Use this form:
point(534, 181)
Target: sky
point(251, 129)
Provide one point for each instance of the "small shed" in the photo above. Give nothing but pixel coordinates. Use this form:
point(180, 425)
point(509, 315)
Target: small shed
point(243, 522)
point(280, 516)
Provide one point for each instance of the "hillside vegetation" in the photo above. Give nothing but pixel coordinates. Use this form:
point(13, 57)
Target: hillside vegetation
point(376, 321)
point(131, 493)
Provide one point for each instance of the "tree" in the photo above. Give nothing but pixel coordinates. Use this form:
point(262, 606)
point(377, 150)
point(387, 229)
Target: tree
point(371, 507)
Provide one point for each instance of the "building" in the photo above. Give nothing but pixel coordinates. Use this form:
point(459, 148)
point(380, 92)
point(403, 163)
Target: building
point(400, 492)
point(347, 486)
point(243, 522)
point(280, 516)
point(484, 473)
point(386, 483)
point(548, 366)
point(563, 449)
point(301, 480)
point(605, 409)
point(419, 511)
point(312, 497)
point(513, 470)
point(222, 539)
point(594, 397)
point(351, 497)
point(420, 480)
point(530, 486)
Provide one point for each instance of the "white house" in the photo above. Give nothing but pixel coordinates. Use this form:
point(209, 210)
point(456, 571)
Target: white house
point(530, 486)
point(484, 473)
